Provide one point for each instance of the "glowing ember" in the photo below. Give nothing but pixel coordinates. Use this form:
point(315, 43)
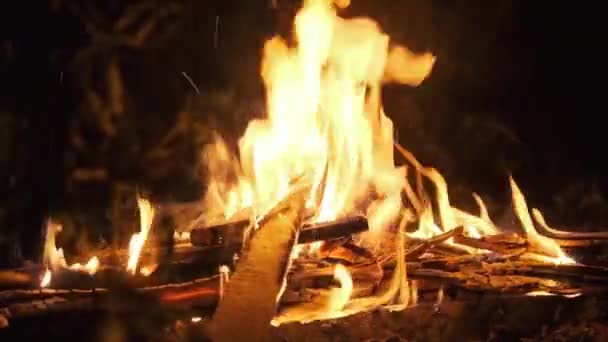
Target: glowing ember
point(90, 267)
point(46, 279)
point(545, 293)
point(146, 215)
point(147, 270)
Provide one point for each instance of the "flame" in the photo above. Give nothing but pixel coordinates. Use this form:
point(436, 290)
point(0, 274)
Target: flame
point(146, 215)
point(90, 267)
point(146, 271)
point(541, 243)
point(426, 226)
point(54, 258)
point(196, 319)
point(339, 297)
point(414, 290)
point(324, 122)
point(46, 278)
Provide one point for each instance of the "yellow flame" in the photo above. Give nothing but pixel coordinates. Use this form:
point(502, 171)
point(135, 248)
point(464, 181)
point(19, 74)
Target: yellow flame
point(46, 278)
point(90, 267)
point(540, 243)
point(54, 258)
point(146, 215)
point(339, 297)
point(426, 226)
point(146, 271)
point(440, 296)
point(414, 289)
point(324, 121)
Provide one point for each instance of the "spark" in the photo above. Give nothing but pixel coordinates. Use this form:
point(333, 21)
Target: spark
point(191, 82)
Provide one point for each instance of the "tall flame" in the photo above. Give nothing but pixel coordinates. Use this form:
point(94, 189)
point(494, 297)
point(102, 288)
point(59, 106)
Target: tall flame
point(546, 245)
point(146, 215)
point(46, 278)
point(324, 121)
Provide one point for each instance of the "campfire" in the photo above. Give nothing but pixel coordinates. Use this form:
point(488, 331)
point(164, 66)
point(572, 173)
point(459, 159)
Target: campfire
point(313, 219)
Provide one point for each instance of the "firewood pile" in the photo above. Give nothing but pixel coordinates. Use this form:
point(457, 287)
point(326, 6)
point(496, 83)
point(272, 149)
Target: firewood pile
point(236, 271)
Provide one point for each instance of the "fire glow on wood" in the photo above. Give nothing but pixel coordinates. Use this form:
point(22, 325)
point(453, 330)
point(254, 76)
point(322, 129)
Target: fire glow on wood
point(322, 92)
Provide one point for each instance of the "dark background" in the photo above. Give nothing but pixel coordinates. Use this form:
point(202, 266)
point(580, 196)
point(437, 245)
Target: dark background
point(517, 89)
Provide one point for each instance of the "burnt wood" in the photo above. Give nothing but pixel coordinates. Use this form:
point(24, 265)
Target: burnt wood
point(231, 233)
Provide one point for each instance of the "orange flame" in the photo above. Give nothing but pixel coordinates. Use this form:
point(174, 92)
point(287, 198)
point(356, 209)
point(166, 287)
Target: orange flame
point(54, 258)
point(46, 278)
point(146, 215)
point(325, 122)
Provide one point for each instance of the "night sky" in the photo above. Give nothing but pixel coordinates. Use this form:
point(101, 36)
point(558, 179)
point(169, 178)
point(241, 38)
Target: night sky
point(516, 90)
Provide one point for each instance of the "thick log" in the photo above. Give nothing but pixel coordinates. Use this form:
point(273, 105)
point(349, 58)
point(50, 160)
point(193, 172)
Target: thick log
point(200, 293)
point(251, 297)
point(12, 279)
point(231, 233)
point(166, 292)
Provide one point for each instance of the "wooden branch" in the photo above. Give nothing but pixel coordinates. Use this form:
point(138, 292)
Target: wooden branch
point(544, 229)
point(578, 273)
point(501, 248)
point(232, 232)
point(251, 297)
point(423, 246)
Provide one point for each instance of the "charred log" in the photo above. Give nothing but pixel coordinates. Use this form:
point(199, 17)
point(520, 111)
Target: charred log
point(232, 232)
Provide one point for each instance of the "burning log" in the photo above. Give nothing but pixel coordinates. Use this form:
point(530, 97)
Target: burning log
point(17, 304)
point(232, 232)
point(250, 299)
point(12, 279)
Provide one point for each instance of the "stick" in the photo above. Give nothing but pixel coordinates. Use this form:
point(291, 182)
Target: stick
point(232, 232)
point(544, 229)
point(579, 273)
point(423, 246)
point(494, 247)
